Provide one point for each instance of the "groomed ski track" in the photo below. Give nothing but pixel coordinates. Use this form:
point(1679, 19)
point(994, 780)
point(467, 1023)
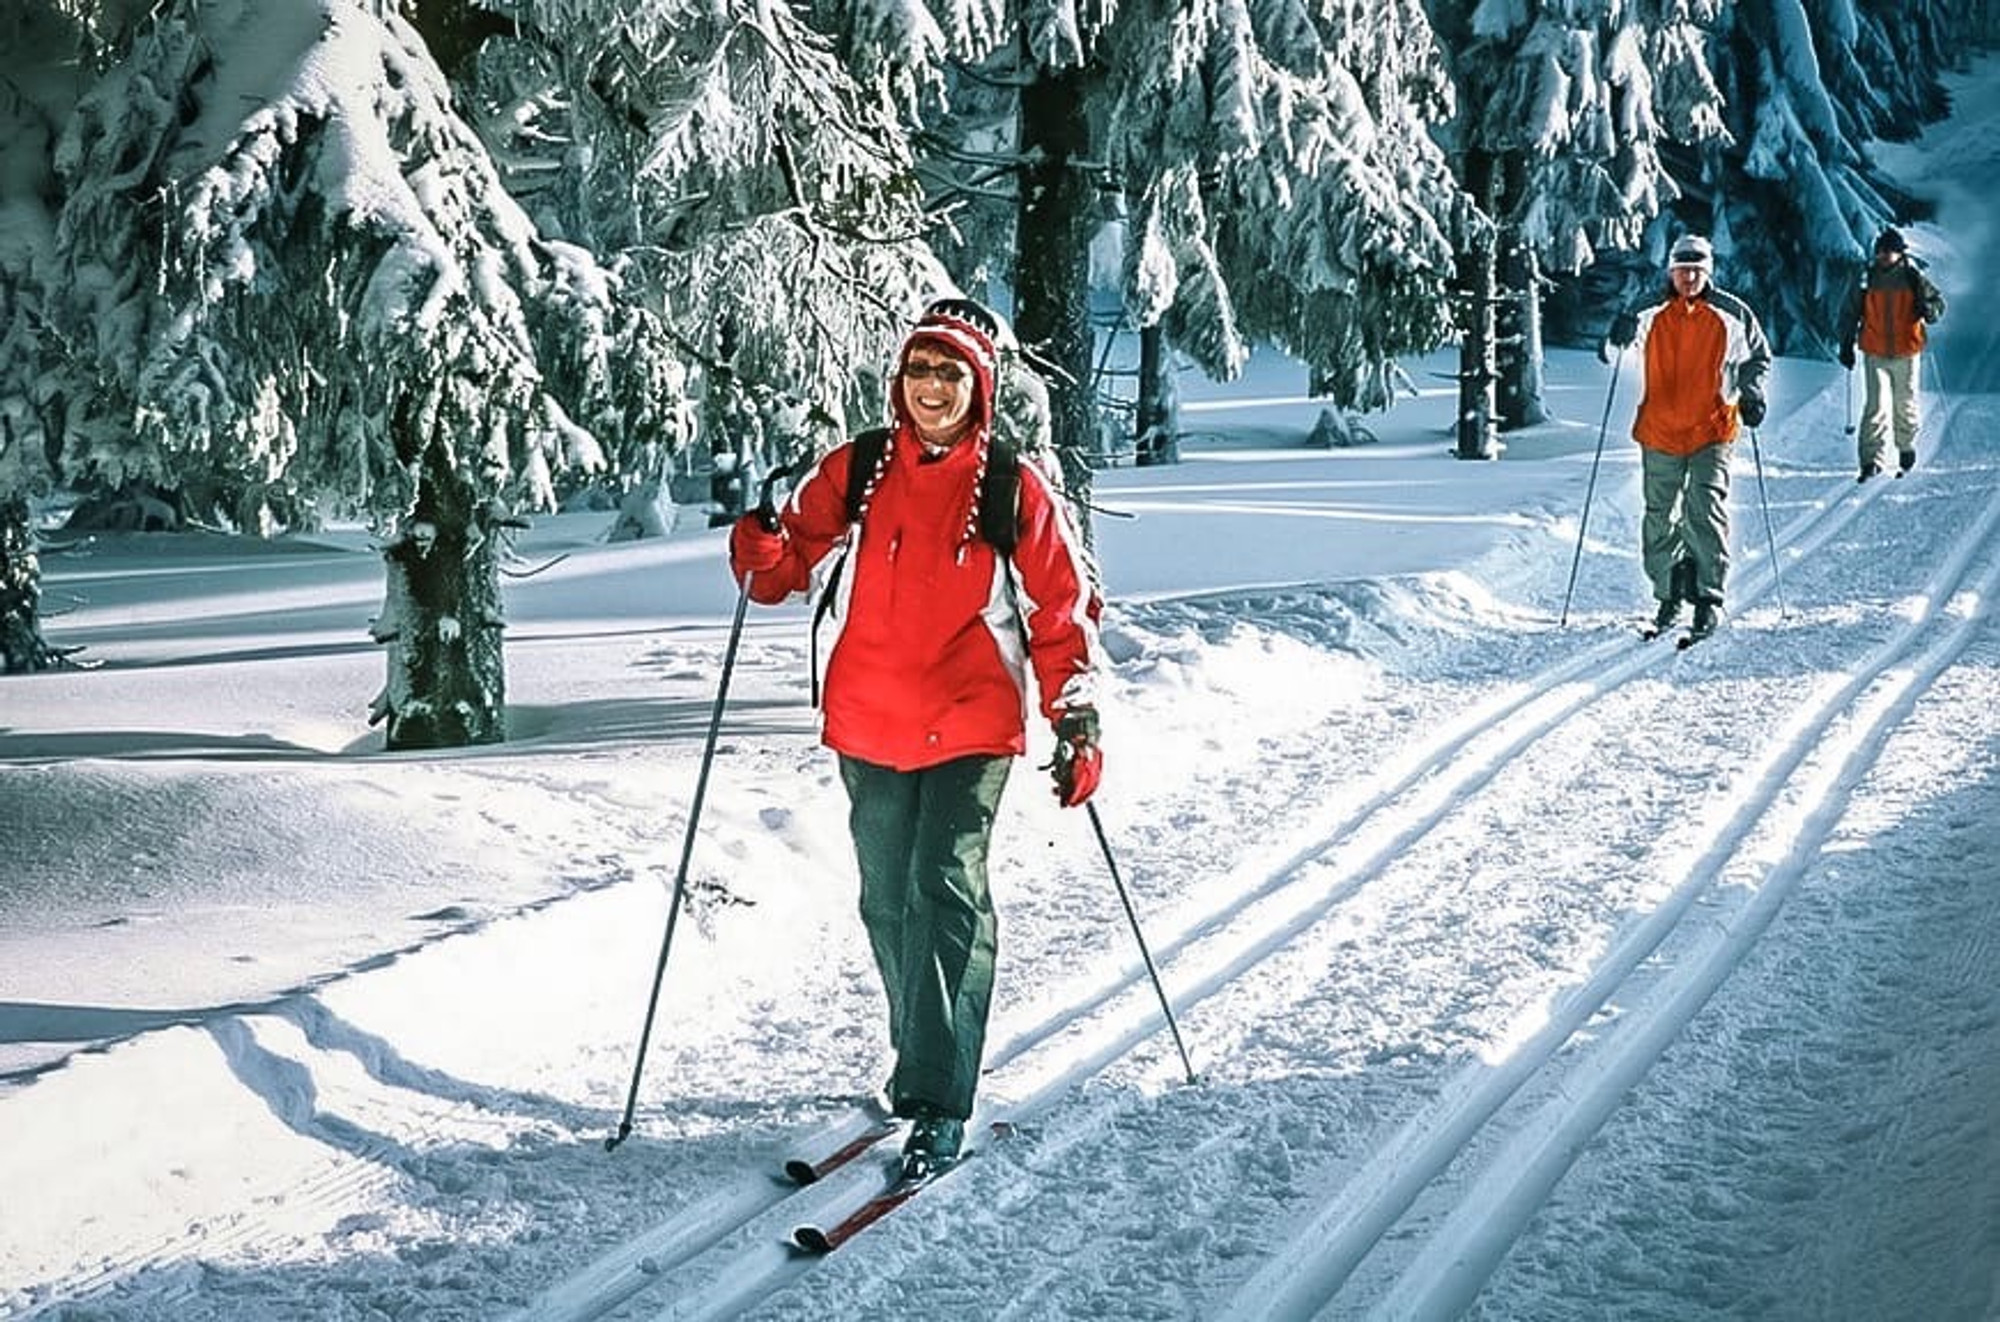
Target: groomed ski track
point(1428, 948)
point(1465, 1154)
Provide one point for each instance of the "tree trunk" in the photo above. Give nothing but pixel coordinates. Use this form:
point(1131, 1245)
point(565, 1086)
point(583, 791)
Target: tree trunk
point(1156, 425)
point(22, 647)
point(442, 620)
point(1519, 323)
point(454, 31)
point(1476, 366)
point(1052, 266)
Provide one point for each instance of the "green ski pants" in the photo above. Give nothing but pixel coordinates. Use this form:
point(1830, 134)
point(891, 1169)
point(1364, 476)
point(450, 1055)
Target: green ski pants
point(1687, 518)
point(921, 839)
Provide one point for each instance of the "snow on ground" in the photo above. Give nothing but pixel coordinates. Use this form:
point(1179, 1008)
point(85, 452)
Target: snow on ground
point(1530, 971)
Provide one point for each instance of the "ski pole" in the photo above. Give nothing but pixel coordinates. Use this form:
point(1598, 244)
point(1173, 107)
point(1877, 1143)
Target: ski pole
point(1097, 825)
point(1591, 489)
point(767, 514)
point(1847, 400)
point(1770, 538)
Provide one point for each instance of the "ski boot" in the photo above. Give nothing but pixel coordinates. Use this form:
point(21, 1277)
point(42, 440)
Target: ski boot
point(933, 1146)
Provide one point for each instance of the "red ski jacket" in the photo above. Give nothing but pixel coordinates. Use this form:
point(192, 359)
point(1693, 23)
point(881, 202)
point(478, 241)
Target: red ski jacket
point(937, 630)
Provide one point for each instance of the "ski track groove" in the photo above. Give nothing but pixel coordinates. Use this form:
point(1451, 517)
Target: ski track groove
point(1308, 1272)
point(1443, 1279)
point(745, 1229)
point(732, 1240)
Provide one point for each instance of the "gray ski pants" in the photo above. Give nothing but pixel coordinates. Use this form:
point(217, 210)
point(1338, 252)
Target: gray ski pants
point(1888, 405)
point(1687, 518)
point(921, 839)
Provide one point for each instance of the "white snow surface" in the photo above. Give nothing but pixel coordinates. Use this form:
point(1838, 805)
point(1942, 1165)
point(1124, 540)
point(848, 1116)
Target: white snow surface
point(1530, 970)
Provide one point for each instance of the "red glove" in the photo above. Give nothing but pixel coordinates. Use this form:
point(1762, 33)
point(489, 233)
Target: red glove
point(753, 548)
point(1079, 762)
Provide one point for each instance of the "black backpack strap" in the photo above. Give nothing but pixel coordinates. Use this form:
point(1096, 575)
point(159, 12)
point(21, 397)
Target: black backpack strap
point(820, 612)
point(1000, 497)
point(868, 448)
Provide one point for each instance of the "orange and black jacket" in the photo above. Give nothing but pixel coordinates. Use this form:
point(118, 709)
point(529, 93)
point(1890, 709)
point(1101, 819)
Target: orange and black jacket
point(1702, 355)
point(1886, 311)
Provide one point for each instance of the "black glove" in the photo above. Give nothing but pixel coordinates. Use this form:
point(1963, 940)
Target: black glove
point(1624, 330)
point(1847, 356)
point(1079, 763)
point(1751, 408)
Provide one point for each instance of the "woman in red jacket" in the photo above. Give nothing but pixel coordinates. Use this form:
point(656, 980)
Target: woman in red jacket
point(927, 690)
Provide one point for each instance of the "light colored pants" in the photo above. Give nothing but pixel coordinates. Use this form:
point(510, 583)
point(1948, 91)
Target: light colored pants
point(1687, 518)
point(1888, 405)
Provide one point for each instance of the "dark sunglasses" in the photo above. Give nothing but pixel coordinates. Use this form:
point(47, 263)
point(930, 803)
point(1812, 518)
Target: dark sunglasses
point(949, 373)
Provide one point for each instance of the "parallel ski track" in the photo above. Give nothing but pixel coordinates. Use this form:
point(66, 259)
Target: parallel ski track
point(723, 1255)
point(1583, 1083)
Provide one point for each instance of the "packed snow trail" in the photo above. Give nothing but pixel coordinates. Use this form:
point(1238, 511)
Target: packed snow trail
point(1277, 900)
point(1778, 739)
point(1638, 1010)
point(1428, 942)
point(1350, 967)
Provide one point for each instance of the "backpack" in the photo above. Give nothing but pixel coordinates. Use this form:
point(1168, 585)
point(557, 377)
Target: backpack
point(999, 512)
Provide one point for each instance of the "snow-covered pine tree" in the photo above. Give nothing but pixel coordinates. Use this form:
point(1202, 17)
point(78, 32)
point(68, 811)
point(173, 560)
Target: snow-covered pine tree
point(288, 285)
point(1254, 143)
point(997, 95)
point(1565, 107)
point(1796, 198)
point(39, 84)
point(721, 159)
point(1881, 65)
point(1285, 186)
point(1881, 58)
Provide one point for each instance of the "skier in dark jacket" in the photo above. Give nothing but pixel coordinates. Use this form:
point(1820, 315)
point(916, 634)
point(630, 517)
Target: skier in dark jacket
point(1706, 360)
point(1886, 313)
point(927, 690)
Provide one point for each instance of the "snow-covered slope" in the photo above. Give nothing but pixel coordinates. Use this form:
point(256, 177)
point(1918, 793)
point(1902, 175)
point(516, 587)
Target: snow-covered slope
point(1530, 971)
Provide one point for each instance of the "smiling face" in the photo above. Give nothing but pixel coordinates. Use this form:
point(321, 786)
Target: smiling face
point(938, 392)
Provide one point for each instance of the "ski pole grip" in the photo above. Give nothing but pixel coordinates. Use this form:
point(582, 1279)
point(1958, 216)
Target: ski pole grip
point(767, 508)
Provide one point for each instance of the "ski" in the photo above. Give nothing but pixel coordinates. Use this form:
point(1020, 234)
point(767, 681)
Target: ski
point(801, 1171)
point(1689, 639)
point(821, 1240)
